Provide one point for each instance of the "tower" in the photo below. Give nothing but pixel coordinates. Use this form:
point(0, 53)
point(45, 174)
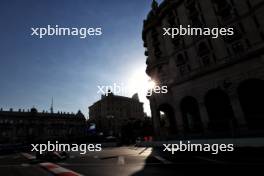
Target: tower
point(51, 107)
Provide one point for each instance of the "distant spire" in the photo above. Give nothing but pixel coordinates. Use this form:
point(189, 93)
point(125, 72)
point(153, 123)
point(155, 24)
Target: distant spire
point(51, 107)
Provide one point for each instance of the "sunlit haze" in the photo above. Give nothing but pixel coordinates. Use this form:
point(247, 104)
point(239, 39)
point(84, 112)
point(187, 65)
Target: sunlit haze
point(69, 69)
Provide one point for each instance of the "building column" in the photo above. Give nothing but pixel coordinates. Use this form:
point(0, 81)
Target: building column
point(204, 116)
point(238, 113)
point(155, 117)
point(179, 121)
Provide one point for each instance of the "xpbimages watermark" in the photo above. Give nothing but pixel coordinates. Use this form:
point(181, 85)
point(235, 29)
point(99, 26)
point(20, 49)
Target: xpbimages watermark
point(191, 31)
point(121, 89)
point(192, 147)
point(57, 30)
point(58, 147)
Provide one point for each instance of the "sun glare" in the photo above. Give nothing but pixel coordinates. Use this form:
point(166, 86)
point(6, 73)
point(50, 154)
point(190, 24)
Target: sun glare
point(151, 84)
point(139, 82)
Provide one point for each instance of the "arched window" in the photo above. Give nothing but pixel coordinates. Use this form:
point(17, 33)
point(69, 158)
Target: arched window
point(219, 110)
point(251, 96)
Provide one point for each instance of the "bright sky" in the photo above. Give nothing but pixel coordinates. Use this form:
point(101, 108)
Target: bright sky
point(33, 70)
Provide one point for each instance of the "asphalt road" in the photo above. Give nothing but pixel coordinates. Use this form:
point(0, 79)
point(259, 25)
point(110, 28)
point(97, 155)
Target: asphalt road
point(110, 161)
point(120, 161)
point(16, 165)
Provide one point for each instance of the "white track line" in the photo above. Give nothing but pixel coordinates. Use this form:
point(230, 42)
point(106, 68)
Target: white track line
point(58, 170)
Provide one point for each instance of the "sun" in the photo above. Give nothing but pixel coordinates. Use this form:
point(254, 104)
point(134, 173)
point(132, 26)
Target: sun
point(151, 84)
point(140, 83)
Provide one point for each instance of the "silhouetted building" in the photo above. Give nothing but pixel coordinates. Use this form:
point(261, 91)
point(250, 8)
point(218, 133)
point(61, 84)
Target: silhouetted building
point(112, 112)
point(215, 85)
point(35, 127)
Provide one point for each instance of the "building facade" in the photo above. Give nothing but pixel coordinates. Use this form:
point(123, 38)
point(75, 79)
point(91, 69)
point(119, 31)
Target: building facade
point(34, 127)
point(112, 112)
point(216, 86)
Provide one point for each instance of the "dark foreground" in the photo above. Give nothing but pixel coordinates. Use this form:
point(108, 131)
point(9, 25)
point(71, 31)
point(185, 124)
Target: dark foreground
point(134, 161)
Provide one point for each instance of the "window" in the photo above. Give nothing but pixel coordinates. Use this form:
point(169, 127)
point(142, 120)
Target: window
point(238, 47)
point(203, 49)
point(223, 9)
point(180, 60)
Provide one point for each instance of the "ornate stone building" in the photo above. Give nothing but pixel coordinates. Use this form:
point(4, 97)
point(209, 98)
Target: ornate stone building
point(216, 86)
point(35, 127)
point(112, 112)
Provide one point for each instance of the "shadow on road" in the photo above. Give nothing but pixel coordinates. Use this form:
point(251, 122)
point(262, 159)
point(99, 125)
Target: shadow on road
point(190, 164)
